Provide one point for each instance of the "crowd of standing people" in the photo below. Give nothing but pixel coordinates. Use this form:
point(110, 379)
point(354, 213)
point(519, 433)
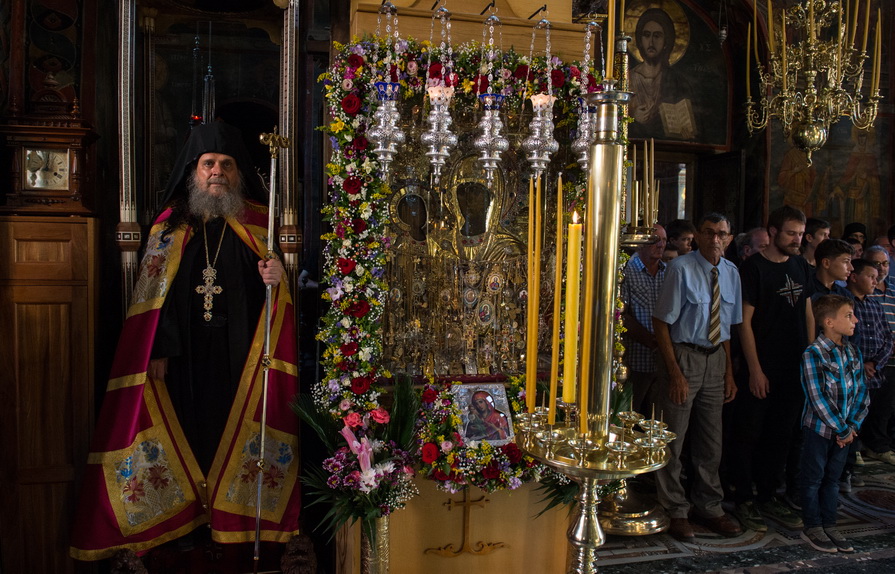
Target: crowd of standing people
point(769, 354)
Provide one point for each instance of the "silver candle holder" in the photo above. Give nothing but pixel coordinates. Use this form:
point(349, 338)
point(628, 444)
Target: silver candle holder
point(489, 141)
point(385, 132)
point(540, 144)
point(439, 138)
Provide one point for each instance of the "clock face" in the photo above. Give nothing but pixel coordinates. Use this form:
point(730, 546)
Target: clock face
point(46, 169)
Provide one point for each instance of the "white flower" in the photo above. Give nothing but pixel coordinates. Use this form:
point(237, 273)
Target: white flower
point(360, 269)
point(347, 84)
point(345, 322)
point(385, 467)
point(368, 480)
point(365, 354)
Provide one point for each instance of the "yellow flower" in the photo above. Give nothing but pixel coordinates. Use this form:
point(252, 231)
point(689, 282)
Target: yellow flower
point(467, 86)
point(337, 125)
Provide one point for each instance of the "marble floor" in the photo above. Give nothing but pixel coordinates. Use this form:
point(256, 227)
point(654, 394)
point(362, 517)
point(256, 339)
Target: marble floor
point(866, 517)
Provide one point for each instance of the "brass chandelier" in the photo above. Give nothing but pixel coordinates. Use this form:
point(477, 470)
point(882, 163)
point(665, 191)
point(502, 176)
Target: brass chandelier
point(815, 73)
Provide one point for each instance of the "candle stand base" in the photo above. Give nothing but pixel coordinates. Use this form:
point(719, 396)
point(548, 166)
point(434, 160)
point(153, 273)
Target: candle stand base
point(625, 513)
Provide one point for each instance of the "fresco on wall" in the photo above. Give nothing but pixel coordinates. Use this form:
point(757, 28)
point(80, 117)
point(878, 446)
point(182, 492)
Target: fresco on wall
point(678, 74)
point(845, 183)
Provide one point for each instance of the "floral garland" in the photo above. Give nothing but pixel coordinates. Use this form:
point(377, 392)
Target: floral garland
point(454, 464)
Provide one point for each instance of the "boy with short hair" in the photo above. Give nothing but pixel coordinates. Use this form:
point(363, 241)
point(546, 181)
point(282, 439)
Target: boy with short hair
point(816, 232)
point(680, 234)
point(833, 258)
point(836, 403)
point(872, 334)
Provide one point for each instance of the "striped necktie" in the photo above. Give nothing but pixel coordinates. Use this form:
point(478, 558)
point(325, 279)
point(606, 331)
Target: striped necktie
point(715, 311)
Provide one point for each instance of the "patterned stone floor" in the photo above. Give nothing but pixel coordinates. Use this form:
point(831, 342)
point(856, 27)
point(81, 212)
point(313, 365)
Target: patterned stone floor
point(866, 516)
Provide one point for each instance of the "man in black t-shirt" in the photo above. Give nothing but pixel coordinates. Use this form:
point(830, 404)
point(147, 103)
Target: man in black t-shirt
point(776, 322)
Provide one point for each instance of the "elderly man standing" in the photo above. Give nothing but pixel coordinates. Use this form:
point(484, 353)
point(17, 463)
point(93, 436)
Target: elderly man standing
point(644, 274)
point(177, 441)
point(699, 301)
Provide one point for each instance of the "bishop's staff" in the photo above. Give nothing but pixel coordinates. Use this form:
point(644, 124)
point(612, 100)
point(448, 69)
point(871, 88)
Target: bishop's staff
point(274, 141)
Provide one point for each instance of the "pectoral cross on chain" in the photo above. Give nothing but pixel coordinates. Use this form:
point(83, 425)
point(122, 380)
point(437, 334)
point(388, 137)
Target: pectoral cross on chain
point(209, 290)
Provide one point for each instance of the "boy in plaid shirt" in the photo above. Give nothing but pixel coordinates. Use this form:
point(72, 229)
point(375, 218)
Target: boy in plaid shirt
point(836, 404)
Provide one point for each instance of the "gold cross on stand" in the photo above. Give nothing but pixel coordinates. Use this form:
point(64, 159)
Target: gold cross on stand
point(209, 289)
point(479, 548)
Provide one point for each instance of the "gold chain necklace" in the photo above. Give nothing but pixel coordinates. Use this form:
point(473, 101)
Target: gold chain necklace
point(209, 274)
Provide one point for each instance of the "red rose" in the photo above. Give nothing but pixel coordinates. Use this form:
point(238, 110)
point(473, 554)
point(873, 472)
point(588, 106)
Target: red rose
point(435, 70)
point(353, 420)
point(522, 72)
point(451, 79)
point(355, 60)
point(557, 78)
point(351, 104)
point(393, 73)
point(429, 453)
point(352, 184)
point(591, 83)
point(360, 385)
point(358, 225)
point(429, 396)
point(358, 309)
point(380, 415)
point(348, 349)
point(359, 143)
point(345, 266)
point(480, 83)
point(441, 475)
point(574, 72)
point(512, 451)
point(491, 471)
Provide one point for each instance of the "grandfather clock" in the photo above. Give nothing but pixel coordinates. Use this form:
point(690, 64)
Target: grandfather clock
point(48, 271)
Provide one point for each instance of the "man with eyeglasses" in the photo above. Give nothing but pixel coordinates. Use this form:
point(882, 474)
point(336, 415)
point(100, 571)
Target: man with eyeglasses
point(875, 431)
point(698, 303)
point(777, 321)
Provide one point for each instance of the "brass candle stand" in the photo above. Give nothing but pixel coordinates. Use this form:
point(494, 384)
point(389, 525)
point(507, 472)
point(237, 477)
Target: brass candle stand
point(592, 461)
point(593, 451)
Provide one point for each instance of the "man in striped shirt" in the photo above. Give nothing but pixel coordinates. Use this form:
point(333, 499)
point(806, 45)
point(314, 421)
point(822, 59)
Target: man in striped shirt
point(876, 437)
point(836, 403)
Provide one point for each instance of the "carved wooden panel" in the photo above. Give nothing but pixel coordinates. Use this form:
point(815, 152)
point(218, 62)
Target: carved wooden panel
point(33, 251)
point(47, 305)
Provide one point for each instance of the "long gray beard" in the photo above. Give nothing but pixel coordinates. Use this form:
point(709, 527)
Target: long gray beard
point(207, 206)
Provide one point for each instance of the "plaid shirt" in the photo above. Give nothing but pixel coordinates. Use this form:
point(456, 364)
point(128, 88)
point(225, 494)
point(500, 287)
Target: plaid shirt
point(887, 300)
point(836, 398)
point(873, 337)
point(640, 291)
